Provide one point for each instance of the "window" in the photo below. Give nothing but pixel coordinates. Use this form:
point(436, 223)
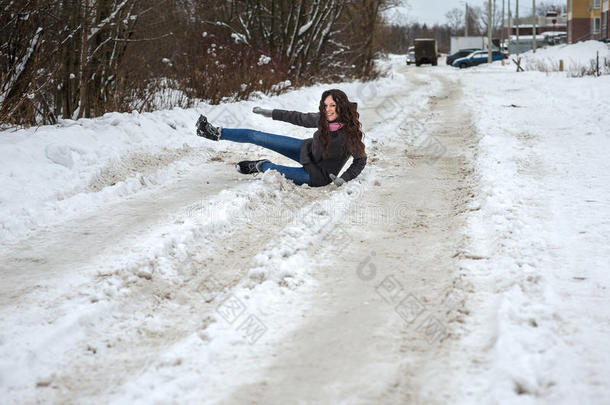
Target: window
point(595, 25)
point(597, 4)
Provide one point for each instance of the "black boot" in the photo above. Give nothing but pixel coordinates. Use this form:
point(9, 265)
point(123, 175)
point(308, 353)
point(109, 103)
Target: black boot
point(206, 130)
point(250, 166)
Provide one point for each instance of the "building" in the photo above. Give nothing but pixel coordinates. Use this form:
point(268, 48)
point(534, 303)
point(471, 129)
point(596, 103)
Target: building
point(605, 21)
point(550, 30)
point(552, 22)
point(584, 20)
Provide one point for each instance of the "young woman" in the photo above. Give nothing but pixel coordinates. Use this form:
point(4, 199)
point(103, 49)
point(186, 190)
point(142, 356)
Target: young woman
point(322, 157)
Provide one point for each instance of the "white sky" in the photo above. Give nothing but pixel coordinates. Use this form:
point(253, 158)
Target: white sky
point(433, 11)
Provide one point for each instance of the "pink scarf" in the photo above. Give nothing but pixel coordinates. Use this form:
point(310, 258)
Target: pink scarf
point(335, 126)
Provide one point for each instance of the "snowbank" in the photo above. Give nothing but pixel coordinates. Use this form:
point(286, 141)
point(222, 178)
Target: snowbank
point(539, 231)
point(577, 57)
point(54, 172)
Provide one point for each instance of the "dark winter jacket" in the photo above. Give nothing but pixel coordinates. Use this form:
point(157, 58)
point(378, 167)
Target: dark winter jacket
point(320, 168)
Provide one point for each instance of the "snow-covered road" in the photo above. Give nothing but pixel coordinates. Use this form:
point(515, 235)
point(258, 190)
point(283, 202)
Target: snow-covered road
point(135, 299)
point(138, 266)
point(382, 318)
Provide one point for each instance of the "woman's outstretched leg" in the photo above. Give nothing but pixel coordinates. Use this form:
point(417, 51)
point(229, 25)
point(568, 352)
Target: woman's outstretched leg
point(287, 146)
point(284, 145)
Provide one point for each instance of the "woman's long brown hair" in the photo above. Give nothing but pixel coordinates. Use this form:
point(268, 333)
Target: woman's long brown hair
point(347, 115)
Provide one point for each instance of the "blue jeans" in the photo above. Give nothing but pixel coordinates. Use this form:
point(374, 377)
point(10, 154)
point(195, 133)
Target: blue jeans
point(284, 145)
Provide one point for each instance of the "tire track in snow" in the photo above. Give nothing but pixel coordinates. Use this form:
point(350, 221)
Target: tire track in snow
point(132, 309)
point(168, 309)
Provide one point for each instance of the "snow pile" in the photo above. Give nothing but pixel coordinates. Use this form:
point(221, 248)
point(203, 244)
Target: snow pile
point(539, 229)
point(49, 172)
point(577, 58)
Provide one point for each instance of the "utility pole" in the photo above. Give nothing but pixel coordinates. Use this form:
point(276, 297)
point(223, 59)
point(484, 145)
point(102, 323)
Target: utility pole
point(466, 23)
point(489, 31)
point(502, 43)
point(534, 25)
point(493, 19)
point(517, 18)
point(510, 24)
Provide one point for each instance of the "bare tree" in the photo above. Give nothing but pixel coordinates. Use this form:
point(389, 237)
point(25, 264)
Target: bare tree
point(543, 7)
point(104, 25)
point(21, 38)
point(361, 23)
point(480, 14)
point(296, 31)
point(81, 58)
point(455, 19)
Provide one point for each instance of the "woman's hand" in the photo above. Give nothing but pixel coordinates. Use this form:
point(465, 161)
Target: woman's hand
point(262, 111)
point(337, 180)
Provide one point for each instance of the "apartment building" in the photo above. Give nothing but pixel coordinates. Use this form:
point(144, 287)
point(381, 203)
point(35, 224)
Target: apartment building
point(585, 20)
point(605, 23)
point(552, 22)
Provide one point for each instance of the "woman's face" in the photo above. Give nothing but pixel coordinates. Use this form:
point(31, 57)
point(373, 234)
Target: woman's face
point(331, 108)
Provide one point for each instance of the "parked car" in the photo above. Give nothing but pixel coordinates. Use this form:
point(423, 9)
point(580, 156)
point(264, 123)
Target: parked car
point(477, 58)
point(460, 54)
point(410, 58)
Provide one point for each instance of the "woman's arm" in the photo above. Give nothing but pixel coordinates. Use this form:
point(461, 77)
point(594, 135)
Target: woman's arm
point(354, 169)
point(308, 120)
